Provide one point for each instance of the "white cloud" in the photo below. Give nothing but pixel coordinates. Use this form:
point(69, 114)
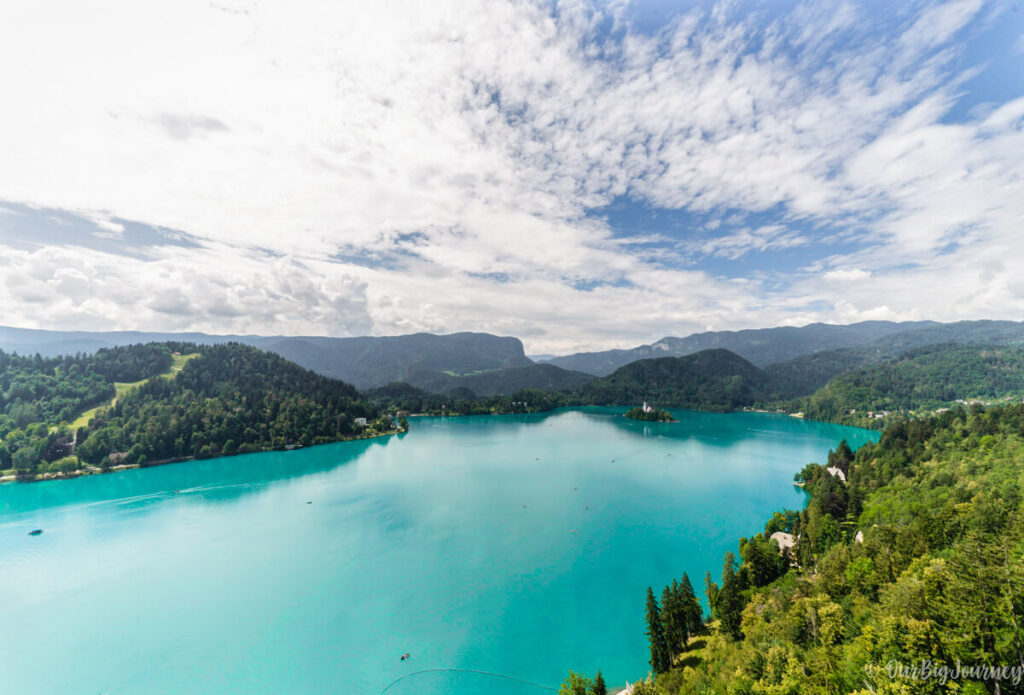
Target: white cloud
point(744, 241)
point(81, 289)
point(851, 275)
point(456, 147)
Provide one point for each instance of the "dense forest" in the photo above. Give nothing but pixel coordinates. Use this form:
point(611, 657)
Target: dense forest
point(715, 380)
point(927, 378)
point(917, 560)
point(230, 399)
point(40, 396)
point(55, 389)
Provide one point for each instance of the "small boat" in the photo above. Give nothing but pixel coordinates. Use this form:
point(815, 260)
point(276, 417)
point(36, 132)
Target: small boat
point(36, 532)
point(404, 656)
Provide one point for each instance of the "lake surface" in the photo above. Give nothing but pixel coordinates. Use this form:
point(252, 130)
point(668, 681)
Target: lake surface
point(516, 545)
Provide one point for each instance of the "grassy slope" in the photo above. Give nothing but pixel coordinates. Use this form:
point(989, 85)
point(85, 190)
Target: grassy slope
point(123, 387)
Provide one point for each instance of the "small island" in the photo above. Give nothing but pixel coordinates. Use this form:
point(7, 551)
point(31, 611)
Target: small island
point(649, 414)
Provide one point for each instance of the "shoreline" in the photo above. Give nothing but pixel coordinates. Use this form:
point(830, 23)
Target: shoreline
point(90, 469)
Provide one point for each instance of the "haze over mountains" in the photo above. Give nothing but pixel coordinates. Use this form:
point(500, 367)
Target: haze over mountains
point(804, 357)
point(770, 345)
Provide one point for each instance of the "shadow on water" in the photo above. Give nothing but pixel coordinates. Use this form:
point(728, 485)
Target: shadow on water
point(722, 429)
point(217, 479)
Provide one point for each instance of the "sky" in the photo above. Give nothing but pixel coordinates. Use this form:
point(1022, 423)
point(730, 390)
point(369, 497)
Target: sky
point(580, 175)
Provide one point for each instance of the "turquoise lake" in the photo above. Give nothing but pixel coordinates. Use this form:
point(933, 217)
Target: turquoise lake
point(515, 545)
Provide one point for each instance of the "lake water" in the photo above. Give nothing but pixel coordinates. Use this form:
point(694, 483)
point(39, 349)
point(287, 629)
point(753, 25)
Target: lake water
point(515, 545)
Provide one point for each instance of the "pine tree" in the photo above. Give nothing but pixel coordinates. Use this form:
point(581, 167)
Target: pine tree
point(730, 601)
point(656, 635)
point(673, 620)
point(693, 615)
point(597, 687)
point(711, 591)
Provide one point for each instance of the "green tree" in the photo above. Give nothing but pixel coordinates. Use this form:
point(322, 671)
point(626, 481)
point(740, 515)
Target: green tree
point(660, 659)
point(26, 459)
point(673, 620)
point(730, 600)
point(575, 684)
point(598, 687)
point(693, 615)
point(711, 591)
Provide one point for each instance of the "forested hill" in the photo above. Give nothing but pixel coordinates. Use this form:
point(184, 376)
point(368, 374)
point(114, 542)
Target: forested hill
point(916, 559)
point(232, 398)
point(366, 362)
point(715, 380)
point(926, 378)
point(709, 380)
point(55, 389)
point(153, 403)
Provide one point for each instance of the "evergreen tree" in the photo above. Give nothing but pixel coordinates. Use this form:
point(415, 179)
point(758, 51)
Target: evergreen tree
point(597, 687)
point(673, 620)
point(693, 615)
point(730, 600)
point(711, 591)
point(656, 635)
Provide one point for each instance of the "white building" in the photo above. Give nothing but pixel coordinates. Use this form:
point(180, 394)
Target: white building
point(360, 422)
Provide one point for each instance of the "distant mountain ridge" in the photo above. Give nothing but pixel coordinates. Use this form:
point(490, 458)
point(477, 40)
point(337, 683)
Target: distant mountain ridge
point(370, 362)
point(501, 382)
point(760, 346)
point(799, 359)
point(767, 346)
point(365, 362)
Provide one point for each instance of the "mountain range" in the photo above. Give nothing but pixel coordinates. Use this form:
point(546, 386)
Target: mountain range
point(797, 359)
point(766, 346)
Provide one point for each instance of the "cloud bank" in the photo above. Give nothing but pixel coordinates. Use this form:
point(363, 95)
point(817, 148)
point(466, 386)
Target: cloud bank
point(353, 168)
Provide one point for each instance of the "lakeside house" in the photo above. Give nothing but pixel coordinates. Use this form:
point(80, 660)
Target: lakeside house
point(360, 422)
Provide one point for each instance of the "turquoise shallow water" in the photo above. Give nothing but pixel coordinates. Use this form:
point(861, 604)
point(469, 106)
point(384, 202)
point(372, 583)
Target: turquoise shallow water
point(519, 545)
